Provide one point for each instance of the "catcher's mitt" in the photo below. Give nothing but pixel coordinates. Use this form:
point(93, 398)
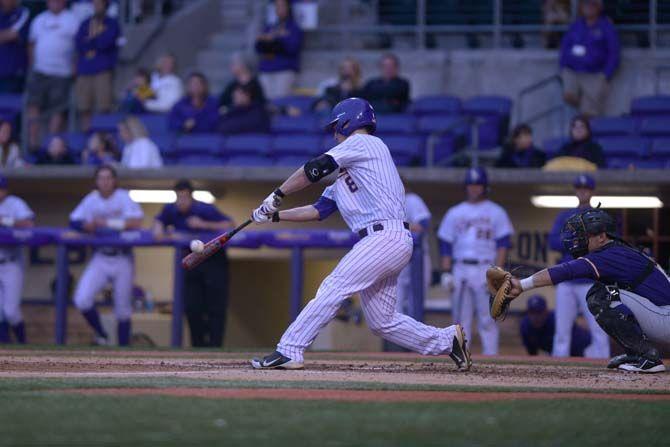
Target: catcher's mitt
point(498, 282)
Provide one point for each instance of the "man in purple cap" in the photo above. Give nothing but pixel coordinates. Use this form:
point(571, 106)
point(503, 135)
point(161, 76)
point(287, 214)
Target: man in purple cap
point(538, 327)
point(571, 295)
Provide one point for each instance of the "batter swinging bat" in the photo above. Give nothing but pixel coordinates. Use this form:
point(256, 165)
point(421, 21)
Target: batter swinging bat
point(193, 260)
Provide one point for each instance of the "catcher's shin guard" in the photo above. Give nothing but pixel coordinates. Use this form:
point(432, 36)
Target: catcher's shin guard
point(618, 322)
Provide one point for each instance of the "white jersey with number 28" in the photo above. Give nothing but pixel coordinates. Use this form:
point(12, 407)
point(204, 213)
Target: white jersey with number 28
point(368, 188)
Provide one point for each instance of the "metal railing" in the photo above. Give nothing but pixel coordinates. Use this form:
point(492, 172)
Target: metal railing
point(559, 108)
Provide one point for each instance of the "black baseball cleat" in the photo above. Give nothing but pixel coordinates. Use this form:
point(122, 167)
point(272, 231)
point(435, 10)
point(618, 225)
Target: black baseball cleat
point(644, 365)
point(460, 353)
point(276, 360)
point(619, 360)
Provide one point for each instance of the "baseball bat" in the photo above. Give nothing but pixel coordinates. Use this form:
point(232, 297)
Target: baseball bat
point(193, 260)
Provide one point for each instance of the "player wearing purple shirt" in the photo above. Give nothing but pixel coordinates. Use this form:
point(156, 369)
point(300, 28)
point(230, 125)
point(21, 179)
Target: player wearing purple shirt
point(630, 297)
point(14, 25)
point(206, 287)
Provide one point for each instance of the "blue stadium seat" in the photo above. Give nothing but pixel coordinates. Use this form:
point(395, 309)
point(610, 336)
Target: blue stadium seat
point(401, 123)
point(247, 144)
point(453, 124)
point(487, 105)
point(633, 147)
point(199, 160)
point(645, 106)
point(250, 160)
point(436, 104)
point(304, 145)
point(406, 150)
point(660, 148)
point(302, 102)
point(106, 122)
point(165, 142)
point(327, 143)
point(155, 123)
point(10, 102)
point(612, 126)
point(657, 126)
point(299, 124)
point(76, 141)
point(552, 145)
point(291, 161)
point(204, 143)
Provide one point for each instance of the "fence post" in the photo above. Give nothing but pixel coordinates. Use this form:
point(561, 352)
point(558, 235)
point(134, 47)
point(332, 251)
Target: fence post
point(497, 23)
point(653, 22)
point(421, 24)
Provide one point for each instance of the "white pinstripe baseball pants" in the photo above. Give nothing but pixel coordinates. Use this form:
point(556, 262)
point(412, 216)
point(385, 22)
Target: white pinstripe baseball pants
point(371, 268)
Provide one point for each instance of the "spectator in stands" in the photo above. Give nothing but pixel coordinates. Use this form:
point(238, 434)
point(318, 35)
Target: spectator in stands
point(166, 85)
point(100, 150)
point(520, 152)
point(83, 9)
point(14, 24)
point(538, 326)
point(10, 154)
point(348, 84)
point(138, 92)
point(97, 50)
point(244, 116)
point(243, 76)
point(205, 288)
point(581, 144)
point(555, 12)
point(139, 151)
point(388, 93)
point(196, 112)
point(590, 54)
point(55, 153)
point(51, 51)
point(278, 48)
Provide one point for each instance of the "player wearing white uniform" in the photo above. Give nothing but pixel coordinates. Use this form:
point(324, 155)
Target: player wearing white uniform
point(105, 209)
point(370, 197)
point(473, 235)
point(14, 213)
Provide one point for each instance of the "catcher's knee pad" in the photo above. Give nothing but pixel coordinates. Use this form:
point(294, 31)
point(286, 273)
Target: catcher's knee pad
point(599, 297)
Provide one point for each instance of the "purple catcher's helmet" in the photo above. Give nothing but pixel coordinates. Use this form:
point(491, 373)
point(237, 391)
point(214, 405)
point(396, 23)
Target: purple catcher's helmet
point(350, 115)
point(476, 176)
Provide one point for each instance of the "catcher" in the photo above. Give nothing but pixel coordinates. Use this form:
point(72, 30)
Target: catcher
point(630, 298)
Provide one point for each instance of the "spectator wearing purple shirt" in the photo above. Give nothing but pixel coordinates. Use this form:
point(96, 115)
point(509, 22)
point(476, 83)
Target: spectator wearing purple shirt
point(630, 297)
point(581, 143)
point(197, 112)
point(278, 48)
point(206, 287)
point(590, 53)
point(14, 25)
point(97, 50)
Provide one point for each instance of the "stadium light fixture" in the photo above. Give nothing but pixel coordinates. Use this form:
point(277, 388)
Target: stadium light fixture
point(166, 196)
point(605, 201)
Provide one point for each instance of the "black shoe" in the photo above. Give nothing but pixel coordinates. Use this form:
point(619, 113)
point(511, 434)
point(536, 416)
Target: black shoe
point(619, 360)
point(460, 353)
point(644, 365)
point(276, 361)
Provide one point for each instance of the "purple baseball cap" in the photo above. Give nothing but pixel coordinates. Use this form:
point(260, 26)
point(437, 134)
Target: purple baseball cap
point(536, 304)
point(584, 181)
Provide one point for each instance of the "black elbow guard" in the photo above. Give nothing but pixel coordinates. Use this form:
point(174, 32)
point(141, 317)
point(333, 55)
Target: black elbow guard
point(320, 167)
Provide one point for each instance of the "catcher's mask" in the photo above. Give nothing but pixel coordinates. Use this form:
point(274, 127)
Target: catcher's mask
point(576, 231)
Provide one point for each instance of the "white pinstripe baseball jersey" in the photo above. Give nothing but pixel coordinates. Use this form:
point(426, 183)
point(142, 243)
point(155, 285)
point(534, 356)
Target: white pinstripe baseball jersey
point(119, 205)
point(14, 208)
point(368, 188)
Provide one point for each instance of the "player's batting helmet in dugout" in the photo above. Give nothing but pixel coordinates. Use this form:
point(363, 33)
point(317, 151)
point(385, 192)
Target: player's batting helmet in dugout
point(476, 176)
point(350, 115)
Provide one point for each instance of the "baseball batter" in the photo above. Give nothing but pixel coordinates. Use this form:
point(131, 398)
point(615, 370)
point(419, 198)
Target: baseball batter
point(14, 213)
point(630, 295)
point(370, 196)
point(571, 295)
point(107, 208)
point(473, 235)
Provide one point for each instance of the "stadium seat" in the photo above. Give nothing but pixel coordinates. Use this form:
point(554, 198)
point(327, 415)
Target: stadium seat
point(657, 126)
point(488, 105)
point(305, 145)
point(645, 106)
point(660, 148)
point(401, 123)
point(106, 122)
point(300, 102)
point(11, 103)
point(155, 123)
point(436, 104)
point(453, 124)
point(250, 160)
point(327, 143)
point(613, 126)
point(199, 160)
point(299, 124)
point(76, 142)
point(291, 161)
point(552, 145)
point(406, 150)
point(633, 147)
point(203, 143)
point(247, 144)
point(494, 111)
point(165, 142)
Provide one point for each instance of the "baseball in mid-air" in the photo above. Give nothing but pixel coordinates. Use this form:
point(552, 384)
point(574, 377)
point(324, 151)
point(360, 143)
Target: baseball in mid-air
point(197, 246)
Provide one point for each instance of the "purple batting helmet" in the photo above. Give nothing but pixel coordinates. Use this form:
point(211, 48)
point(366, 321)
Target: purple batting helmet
point(476, 176)
point(350, 115)
point(584, 181)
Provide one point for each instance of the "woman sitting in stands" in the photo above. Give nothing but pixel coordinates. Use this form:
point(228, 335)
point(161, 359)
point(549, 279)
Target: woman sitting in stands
point(197, 112)
point(56, 153)
point(100, 150)
point(244, 115)
point(520, 152)
point(581, 144)
point(139, 151)
point(10, 155)
point(348, 83)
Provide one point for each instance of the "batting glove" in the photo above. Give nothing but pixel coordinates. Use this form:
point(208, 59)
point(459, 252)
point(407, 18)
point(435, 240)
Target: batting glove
point(260, 216)
point(447, 280)
point(272, 202)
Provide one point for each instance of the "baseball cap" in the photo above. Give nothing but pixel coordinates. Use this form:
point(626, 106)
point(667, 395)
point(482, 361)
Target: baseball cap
point(584, 181)
point(536, 303)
